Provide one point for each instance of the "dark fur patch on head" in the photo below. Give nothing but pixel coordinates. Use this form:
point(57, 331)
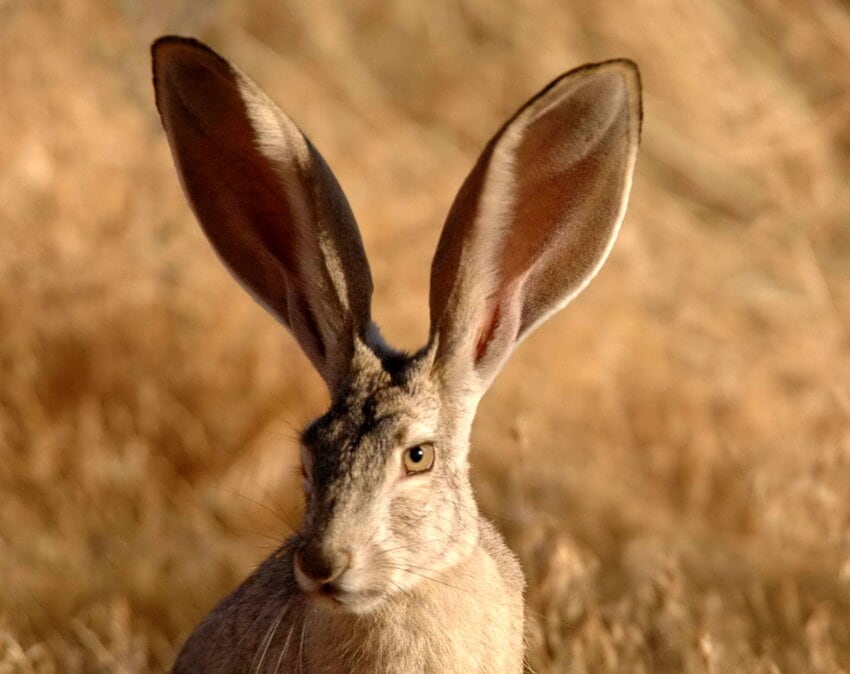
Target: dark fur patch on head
point(396, 364)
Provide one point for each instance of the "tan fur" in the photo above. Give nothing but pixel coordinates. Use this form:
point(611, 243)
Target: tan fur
point(393, 569)
point(469, 619)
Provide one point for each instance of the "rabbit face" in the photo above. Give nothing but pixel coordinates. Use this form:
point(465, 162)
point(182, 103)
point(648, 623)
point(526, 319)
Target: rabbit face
point(389, 504)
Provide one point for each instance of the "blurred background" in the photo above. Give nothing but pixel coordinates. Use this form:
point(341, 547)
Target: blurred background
point(669, 457)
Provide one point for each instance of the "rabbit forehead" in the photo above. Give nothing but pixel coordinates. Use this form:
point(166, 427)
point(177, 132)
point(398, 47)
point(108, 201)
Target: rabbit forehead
point(384, 407)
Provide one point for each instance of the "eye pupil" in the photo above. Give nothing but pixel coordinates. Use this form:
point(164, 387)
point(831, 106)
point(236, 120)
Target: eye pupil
point(419, 458)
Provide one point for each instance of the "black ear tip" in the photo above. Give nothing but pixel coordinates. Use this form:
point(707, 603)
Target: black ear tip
point(177, 50)
point(177, 59)
point(165, 40)
point(178, 40)
point(162, 44)
point(626, 67)
point(630, 72)
point(625, 63)
point(630, 67)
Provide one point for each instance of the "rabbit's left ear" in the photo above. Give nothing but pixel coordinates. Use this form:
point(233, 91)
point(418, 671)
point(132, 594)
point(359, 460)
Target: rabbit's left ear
point(534, 220)
point(267, 201)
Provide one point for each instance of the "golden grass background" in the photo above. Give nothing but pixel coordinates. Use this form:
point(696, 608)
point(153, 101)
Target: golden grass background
point(670, 456)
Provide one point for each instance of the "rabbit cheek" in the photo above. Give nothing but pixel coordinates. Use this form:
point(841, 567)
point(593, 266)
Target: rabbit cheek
point(425, 534)
point(409, 541)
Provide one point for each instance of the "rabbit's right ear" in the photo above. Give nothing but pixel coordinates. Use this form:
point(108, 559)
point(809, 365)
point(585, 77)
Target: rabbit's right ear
point(266, 200)
point(534, 220)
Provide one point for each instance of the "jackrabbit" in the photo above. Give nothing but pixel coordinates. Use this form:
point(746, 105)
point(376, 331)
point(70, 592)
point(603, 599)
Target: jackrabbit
point(393, 569)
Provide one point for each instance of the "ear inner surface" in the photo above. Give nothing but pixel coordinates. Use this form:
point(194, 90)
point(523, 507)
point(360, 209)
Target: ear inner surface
point(571, 195)
point(267, 201)
point(535, 218)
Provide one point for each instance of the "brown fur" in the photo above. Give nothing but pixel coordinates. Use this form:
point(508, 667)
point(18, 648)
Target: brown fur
point(393, 569)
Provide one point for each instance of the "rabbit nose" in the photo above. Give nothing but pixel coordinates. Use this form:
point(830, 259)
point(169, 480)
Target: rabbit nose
point(320, 565)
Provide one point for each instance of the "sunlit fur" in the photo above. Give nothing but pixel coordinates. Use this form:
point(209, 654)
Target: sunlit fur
point(390, 571)
point(431, 585)
point(398, 528)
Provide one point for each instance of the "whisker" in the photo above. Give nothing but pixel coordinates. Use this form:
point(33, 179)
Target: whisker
point(285, 648)
point(301, 647)
point(270, 634)
point(245, 634)
point(290, 525)
point(432, 579)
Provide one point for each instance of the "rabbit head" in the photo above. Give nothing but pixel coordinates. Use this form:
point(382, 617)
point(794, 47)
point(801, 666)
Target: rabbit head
point(389, 501)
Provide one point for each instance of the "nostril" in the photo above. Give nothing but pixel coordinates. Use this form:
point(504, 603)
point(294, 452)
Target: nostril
point(312, 565)
point(322, 566)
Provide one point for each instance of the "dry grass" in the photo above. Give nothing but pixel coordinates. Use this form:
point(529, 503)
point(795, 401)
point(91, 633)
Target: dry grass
point(670, 457)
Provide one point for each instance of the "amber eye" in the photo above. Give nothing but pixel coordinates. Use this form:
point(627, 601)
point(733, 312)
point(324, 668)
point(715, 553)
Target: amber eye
point(418, 459)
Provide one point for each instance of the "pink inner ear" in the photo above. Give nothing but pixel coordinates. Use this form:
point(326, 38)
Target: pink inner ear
point(501, 323)
point(488, 330)
point(535, 219)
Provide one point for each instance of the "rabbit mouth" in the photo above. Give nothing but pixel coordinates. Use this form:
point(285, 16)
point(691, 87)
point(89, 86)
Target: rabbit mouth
point(333, 597)
point(347, 589)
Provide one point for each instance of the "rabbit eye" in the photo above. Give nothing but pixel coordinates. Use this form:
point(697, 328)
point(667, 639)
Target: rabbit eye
point(419, 458)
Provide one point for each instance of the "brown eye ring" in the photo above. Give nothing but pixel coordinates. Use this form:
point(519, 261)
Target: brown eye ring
point(419, 458)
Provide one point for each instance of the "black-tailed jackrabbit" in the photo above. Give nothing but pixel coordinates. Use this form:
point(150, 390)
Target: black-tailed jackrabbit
point(393, 569)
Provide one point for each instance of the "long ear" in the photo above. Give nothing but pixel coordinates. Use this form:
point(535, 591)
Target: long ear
point(534, 220)
point(266, 200)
